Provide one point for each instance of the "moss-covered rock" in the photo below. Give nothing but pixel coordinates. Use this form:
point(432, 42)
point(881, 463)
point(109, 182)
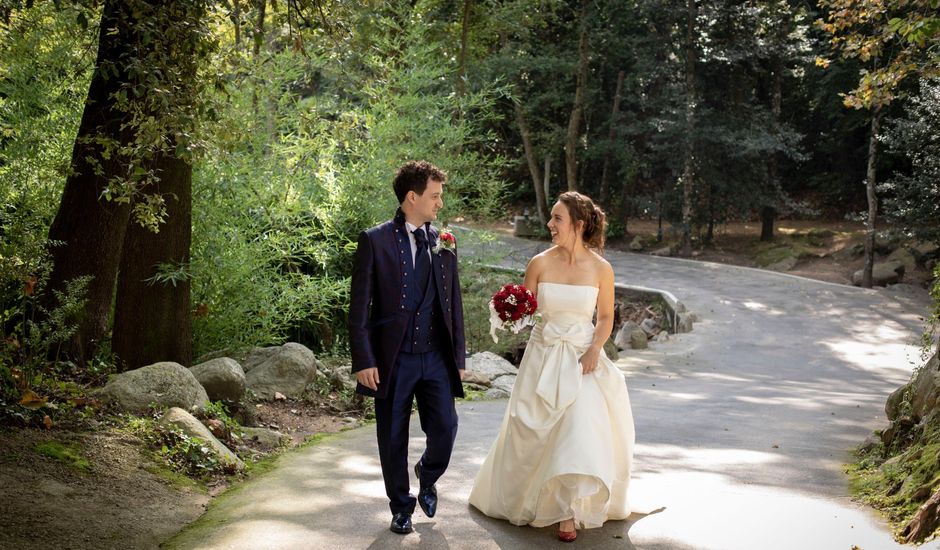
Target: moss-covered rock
point(899, 473)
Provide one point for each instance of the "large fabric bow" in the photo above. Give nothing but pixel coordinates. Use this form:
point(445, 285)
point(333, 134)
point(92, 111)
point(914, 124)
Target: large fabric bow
point(560, 379)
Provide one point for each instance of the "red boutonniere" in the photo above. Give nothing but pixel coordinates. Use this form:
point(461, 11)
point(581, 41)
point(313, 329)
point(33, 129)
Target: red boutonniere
point(445, 241)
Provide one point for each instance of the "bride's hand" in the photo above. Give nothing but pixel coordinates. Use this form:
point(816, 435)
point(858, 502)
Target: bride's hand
point(589, 359)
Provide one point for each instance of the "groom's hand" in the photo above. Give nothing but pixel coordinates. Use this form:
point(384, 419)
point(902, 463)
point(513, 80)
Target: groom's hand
point(462, 373)
point(369, 378)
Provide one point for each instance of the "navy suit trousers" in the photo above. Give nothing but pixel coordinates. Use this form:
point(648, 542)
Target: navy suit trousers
point(421, 376)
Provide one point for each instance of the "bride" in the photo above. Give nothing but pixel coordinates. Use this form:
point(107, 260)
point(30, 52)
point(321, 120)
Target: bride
point(565, 446)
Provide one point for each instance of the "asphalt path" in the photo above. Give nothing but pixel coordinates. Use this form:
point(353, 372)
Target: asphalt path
point(744, 427)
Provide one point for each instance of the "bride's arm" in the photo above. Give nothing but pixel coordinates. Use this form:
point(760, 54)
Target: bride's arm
point(605, 307)
point(532, 273)
point(605, 319)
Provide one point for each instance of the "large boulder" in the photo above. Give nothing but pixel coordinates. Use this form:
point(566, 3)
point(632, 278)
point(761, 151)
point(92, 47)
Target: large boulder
point(786, 264)
point(639, 339)
point(685, 321)
point(636, 244)
point(223, 379)
point(164, 384)
point(257, 356)
point(849, 252)
point(882, 273)
point(287, 370)
point(926, 392)
point(925, 251)
point(501, 386)
point(338, 377)
point(904, 256)
point(524, 226)
point(191, 426)
point(610, 349)
point(887, 242)
point(478, 378)
point(893, 404)
point(489, 365)
point(622, 339)
point(264, 438)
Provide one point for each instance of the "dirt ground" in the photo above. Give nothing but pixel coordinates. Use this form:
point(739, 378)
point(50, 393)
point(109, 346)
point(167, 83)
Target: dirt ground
point(123, 499)
point(120, 501)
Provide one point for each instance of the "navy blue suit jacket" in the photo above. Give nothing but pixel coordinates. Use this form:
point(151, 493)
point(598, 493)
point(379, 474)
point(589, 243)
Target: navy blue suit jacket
point(378, 318)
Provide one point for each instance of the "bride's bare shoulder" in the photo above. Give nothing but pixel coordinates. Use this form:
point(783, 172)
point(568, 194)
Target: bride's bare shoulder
point(542, 257)
point(601, 263)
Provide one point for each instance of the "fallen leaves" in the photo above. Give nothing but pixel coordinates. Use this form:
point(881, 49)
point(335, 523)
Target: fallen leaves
point(31, 400)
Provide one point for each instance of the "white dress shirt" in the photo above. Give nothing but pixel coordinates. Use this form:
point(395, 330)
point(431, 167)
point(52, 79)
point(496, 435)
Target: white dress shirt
point(414, 244)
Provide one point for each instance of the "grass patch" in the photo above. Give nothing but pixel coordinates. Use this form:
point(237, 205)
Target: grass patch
point(172, 477)
point(64, 452)
point(898, 481)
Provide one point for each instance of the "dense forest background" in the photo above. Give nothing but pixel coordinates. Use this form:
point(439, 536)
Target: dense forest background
point(185, 176)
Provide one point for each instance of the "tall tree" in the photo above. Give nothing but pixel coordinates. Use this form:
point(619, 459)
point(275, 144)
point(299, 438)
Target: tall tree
point(895, 39)
point(688, 163)
point(611, 136)
point(577, 109)
point(141, 105)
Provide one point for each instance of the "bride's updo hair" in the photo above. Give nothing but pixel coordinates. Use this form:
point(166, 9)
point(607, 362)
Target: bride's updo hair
point(582, 209)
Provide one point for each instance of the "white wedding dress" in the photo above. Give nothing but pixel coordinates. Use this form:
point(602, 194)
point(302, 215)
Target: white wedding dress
point(565, 446)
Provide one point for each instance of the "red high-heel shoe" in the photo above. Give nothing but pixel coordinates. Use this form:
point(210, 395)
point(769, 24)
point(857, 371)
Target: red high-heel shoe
point(567, 536)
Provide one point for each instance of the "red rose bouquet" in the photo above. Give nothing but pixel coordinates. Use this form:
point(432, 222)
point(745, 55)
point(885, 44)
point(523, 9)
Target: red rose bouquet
point(513, 307)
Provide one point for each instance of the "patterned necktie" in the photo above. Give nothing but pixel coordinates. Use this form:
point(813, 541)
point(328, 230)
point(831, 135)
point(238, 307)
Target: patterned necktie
point(422, 262)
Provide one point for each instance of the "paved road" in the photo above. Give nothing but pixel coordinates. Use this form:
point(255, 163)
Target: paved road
point(743, 428)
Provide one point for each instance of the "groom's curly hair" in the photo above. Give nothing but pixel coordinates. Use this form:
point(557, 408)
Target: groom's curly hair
point(414, 176)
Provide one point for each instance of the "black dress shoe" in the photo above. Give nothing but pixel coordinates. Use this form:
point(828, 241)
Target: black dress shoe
point(427, 496)
point(401, 524)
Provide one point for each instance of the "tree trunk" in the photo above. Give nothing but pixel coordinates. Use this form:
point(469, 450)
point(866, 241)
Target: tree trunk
point(611, 136)
point(872, 199)
point(768, 211)
point(257, 34)
point(574, 122)
point(152, 320)
point(532, 162)
point(462, 55)
point(92, 229)
point(767, 216)
point(688, 165)
point(547, 172)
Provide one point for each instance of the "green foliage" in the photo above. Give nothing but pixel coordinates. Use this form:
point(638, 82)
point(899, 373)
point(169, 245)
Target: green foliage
point(912, 196)
point(218, 410)
point(67, 453)
point(45, 67)
point(897, 38)
point(929, 340)
point(293, 178)
point(185, 454)
point(899, 480)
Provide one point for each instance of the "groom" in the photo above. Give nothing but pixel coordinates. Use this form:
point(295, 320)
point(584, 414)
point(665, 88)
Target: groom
point(407, 339)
